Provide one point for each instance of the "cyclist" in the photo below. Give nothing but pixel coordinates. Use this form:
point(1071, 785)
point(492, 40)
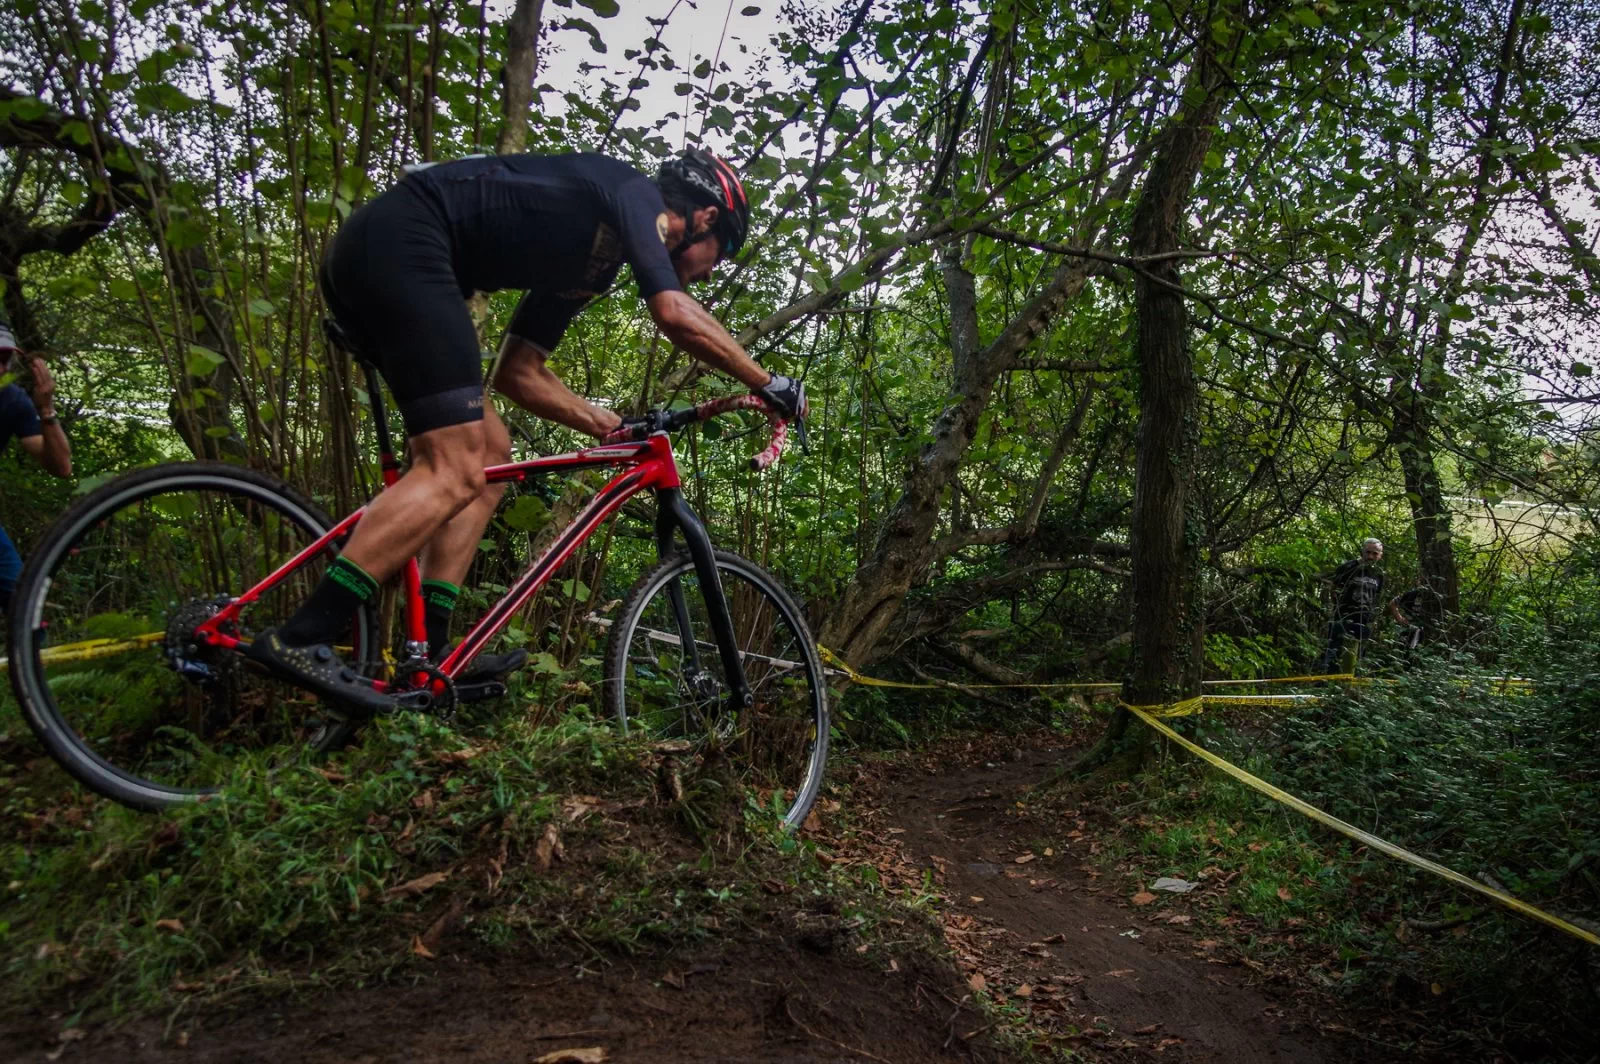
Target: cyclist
point(396, 278)
point(38, 431)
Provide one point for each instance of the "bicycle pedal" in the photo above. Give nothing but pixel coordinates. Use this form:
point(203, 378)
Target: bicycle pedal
point(479, 692)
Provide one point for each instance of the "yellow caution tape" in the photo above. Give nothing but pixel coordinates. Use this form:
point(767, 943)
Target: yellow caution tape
point(870, 681)
point(1516, 905)
point(1262, 700)
point(1341, 677)
point(92, 648)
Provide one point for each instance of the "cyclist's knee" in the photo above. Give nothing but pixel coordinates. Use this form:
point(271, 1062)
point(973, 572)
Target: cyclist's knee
point(453, 458)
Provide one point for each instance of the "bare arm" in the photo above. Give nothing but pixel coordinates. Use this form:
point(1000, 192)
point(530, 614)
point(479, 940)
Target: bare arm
point(51, 446)
point(526, 380)
point(687, 324)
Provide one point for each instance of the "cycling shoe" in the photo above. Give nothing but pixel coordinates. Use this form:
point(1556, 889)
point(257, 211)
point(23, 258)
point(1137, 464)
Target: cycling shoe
point(319, 670)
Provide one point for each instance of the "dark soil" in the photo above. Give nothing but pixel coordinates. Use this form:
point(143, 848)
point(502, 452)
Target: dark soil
point(1072, 967)
point(761, 1000)
point(1095, 973)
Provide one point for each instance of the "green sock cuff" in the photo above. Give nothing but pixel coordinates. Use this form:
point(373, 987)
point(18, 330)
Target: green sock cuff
point(350, 576)
point(440, 593)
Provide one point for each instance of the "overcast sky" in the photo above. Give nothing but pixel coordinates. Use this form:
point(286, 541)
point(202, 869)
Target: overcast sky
point(696, 29)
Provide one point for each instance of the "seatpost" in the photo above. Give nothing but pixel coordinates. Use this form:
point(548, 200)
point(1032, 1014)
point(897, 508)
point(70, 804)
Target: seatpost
point(380, 422)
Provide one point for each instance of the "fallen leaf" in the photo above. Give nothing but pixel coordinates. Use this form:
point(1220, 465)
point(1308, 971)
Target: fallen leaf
point(773, 886)
point(419, 949)
point(548, 848)
point(1179, 918)
point(1025, 858)
point(1283, 894)
point(175, 926)
point(1023, 991)
point(1120, 972)
point(65, 1038)
point(1208, 943)
point(1144, 897)
point(894, 965)
point(812, 822)
point(975, 898)
point(673, 979)
point(976, 981)
point(461, 756)
point(423, 800)
point(1051, 939)
point(182, 1041)
point(1173, 886)
point(332, 775)
point(578, 806)
point(1152, 1029)
point(418, 886)
point(589, 1055)
point(1437, 989)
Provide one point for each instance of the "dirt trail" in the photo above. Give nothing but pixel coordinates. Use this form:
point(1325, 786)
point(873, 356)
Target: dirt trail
point(1089, 974)
point(762, 1000)
point(1085, 958)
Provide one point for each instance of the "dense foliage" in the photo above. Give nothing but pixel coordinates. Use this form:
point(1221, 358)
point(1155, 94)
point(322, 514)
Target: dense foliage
point(1350, 240)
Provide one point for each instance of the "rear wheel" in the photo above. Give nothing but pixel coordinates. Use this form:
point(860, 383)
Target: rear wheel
point(101, 661)
point(669, 684)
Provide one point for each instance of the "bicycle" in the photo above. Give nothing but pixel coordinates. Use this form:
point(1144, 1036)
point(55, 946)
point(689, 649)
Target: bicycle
point(708, 652)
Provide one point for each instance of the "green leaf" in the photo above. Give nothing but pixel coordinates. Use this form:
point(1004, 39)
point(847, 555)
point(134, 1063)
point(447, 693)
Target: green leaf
point(219, 432)
point(527, 514)
point(704, 69)
point(1581, 369)
point(202, 361)
point(588, 27)
point(1306, 17)
point(751, 10)
point(603, 8)
point(122, 288)
point(262, 308)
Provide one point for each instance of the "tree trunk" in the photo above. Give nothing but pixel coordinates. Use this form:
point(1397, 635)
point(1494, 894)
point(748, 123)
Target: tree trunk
point(521, 66)
point(903, 549)
point(1168, 614)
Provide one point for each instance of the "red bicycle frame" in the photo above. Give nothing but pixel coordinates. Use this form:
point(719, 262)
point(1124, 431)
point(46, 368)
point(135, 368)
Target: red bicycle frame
point(646, 465)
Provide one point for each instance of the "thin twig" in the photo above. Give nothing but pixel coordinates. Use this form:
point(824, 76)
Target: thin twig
point(789, 1012)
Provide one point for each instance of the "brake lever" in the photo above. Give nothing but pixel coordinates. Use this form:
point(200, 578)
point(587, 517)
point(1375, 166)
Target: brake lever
point(802, 435)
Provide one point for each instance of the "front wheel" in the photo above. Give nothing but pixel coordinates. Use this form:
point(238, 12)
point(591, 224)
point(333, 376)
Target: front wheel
point(664, 679)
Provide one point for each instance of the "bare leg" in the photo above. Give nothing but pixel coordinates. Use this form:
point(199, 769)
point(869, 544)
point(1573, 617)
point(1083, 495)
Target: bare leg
point(446, 477)
point(449, 554)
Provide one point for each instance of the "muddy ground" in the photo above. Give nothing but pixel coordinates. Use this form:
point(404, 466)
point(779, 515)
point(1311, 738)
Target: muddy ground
point(1074, 970)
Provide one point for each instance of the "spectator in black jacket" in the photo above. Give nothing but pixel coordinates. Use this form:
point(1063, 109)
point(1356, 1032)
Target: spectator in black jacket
point(1357, 590)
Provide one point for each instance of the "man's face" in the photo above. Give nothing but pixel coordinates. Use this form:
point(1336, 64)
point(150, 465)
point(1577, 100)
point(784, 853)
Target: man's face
point(1372, 553)
point(698, 259)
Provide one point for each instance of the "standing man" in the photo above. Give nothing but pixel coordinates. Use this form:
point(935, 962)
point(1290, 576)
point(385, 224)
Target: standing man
point(1357, 590)
point(33, 422)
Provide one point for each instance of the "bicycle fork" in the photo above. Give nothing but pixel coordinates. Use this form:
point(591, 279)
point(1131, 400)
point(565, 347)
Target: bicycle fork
point(672, 513)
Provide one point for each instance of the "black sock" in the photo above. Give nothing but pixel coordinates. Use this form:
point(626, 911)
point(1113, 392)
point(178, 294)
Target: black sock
point(439, 602)
point(325, 616)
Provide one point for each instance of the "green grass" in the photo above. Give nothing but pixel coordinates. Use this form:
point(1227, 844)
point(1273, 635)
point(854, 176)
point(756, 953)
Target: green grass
point(1479, 783)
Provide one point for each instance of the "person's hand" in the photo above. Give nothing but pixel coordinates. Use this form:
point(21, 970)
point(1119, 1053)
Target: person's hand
point(609, 422)
point(44, 386)
point(786, 396)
